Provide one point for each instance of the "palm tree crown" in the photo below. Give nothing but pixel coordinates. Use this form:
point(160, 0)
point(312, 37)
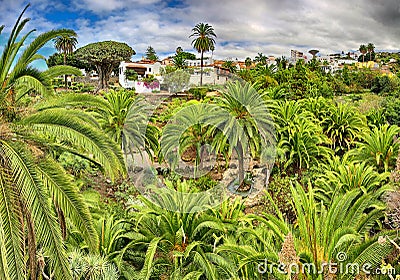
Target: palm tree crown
point(66, 44)
point(363, 50)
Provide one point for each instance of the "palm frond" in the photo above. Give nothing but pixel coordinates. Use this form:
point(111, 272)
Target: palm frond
point(68, 199)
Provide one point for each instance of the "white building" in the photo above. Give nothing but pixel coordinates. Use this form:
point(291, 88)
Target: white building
point(212, 74)
point(143, 69)
point(197, 62)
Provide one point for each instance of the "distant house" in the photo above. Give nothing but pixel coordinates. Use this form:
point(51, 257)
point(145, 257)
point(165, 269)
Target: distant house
point(197, 62)
point(143, 68)
point(295, 56)
point(213, 73)
point(167, 61)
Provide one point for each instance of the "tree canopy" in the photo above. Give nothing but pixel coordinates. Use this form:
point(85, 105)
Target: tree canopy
point(105, 56)
point(151, 54)
point(71, 60)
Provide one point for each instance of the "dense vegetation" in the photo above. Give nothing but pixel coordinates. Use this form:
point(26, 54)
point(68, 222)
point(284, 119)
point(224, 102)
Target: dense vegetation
point(68, 209)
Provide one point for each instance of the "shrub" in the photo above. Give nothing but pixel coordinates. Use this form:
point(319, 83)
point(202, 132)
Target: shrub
point(391, 110)
point(199, 92)
point(279, 190)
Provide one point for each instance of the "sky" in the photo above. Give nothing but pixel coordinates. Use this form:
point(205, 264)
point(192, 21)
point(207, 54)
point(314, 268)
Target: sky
point(243, 27)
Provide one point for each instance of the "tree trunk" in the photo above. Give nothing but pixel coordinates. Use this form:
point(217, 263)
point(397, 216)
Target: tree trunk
point(239, 151)
point(100, 81)
point(104, 71)
point(201, 69)
point(65, 76)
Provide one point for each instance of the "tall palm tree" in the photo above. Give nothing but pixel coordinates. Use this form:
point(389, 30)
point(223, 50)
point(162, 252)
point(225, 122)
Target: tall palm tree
point(363, 50)
point(204, 41)
point(34, 188)
point(370, 49)
point(66, 44)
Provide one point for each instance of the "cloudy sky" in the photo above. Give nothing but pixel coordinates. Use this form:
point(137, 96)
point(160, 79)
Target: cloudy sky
point(243, 27)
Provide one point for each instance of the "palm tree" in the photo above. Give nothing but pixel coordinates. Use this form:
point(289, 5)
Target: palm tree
point(363, 50)
point(371, 49)
point(260, 58)
point(248, 62)
point(66, 44)
point(212, 49)
point(342, 125)
point(320, 234)
point(204, 41)
point(121, 115)
point(230, 65)
point(245, 120)
point(187, 130)
point(340, 175)
point(378, 147)
point(178, 243)
point(300, 140)
point(302, 144)
point(35, 189)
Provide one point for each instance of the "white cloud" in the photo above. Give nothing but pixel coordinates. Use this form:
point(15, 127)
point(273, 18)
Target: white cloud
point(244, 28)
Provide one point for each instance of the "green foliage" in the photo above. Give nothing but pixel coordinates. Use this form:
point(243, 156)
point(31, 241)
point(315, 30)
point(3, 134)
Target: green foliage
point(204, 183)
point(385, 85)
point(301, 142)
point(378, 147)
point(376, 117)
point(91, 267)
point(131, 74)
point(177, 81)
point(179, 61)
point(74, 164)
point(279, 192)
point(341, 176)
point(37, 197)
point(391, 107)
point(230, 65)
point(151, 54)
point(198, 93)
point(58, 59)
point(342, 125)
point(179, 242)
